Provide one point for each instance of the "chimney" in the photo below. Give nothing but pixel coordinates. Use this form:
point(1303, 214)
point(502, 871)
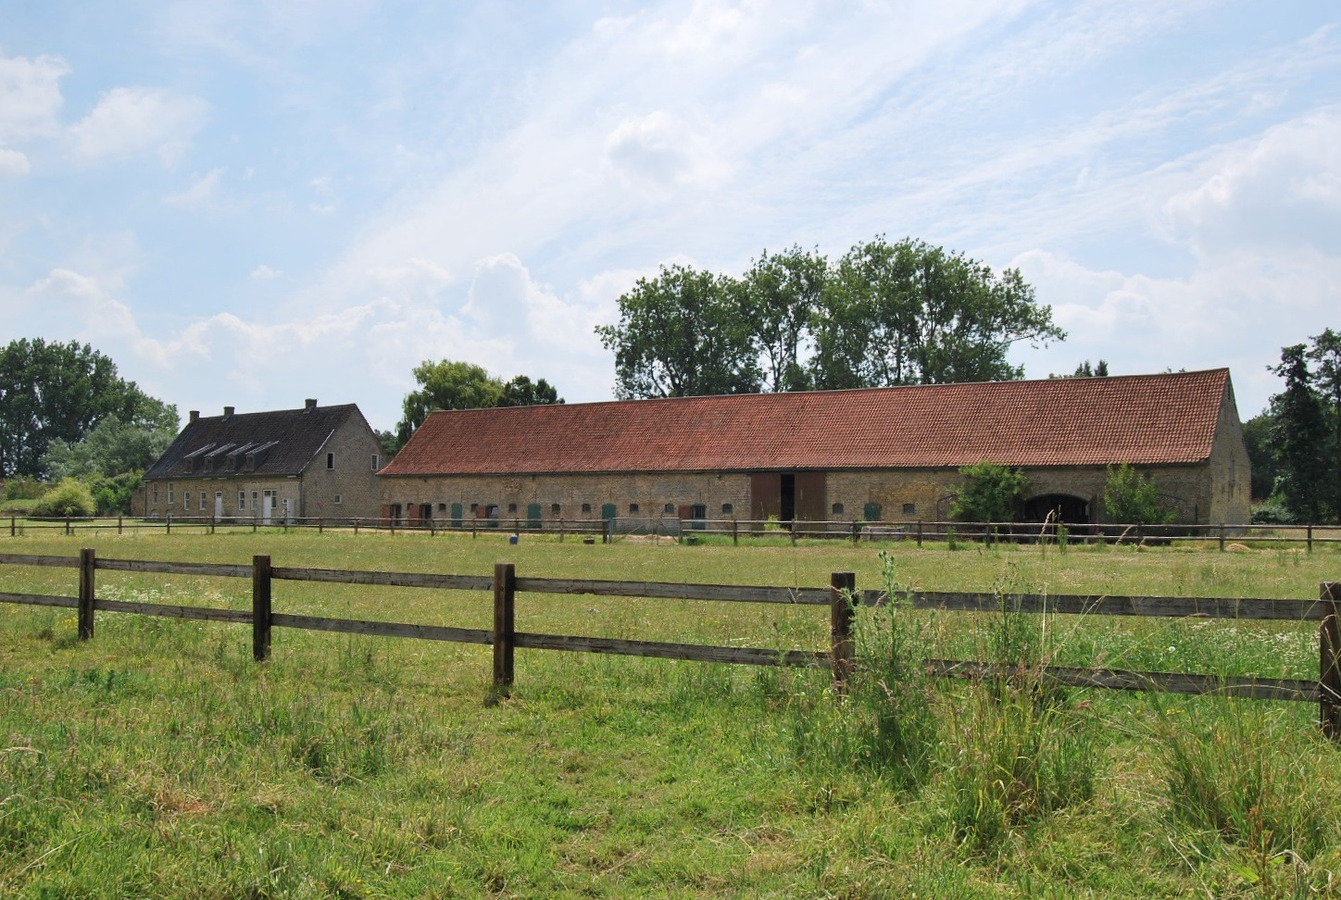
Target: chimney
point(228, 412)
point(311, 404)
point(195, 416)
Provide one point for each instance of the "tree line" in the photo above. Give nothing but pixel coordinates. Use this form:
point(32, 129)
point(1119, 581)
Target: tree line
point(883, 314)
point(1295, 444)
point(65, 413)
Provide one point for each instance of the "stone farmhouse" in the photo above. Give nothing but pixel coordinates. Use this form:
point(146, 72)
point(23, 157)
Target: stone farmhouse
point(881, 454)
point(314, 462)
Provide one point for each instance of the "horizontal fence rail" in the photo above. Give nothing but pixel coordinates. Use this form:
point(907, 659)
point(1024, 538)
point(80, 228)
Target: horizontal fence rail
point(842, 598)
point(691, 530)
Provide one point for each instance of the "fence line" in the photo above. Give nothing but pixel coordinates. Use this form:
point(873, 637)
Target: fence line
point(690, 530)
point(842, 597)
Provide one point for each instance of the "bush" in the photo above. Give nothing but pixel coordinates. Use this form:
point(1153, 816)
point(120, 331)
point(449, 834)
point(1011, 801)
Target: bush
point(69, 498)
point(1272, 512)
point(1131, 498)
point(22, 488)
point(990, 493)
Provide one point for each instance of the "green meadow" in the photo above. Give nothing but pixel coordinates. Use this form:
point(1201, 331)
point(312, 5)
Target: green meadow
point(160, 760)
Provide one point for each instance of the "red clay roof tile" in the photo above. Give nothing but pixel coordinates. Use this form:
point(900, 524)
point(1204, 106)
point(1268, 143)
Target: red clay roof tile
point(1139, 419)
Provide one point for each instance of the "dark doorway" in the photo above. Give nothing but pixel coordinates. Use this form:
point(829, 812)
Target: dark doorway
point(1065, 508)
point(788, 495)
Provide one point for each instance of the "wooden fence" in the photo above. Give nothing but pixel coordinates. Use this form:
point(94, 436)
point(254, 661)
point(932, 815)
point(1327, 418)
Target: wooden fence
point(841, 597)
point(1306, 537)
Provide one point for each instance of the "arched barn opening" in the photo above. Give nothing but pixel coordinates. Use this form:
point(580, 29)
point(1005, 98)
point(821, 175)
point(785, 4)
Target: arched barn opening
point(1064, 507)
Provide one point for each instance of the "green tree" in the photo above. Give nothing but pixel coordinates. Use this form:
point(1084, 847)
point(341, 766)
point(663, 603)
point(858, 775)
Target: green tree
point(1326, 356)
point(59, 392)
point(113, 447)
point(780, 295)
point(1301, 438)
point(682, 334)
point(522, 391)
point(1131, 498)
point(1086, 370)
point(910, 313)
point(448, 384)
point(990, 493)
point(1259, 434)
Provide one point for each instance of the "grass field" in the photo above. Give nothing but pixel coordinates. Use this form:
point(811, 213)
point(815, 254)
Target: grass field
point(160, 760)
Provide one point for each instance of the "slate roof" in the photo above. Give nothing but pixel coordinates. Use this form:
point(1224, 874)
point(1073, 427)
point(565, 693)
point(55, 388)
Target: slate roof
point(280, 443)
point(1137, 419)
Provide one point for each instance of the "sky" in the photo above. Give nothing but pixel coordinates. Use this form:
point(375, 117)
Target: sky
point(250, 204)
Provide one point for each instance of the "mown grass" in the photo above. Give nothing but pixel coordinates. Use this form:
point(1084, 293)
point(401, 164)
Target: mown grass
point(159, 760)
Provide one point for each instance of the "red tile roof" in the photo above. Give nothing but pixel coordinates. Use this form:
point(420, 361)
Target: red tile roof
point(1139, 419)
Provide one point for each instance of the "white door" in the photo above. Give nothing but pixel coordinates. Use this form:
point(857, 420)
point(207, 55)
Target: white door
point(288, 510)
point(218, 505)
point(267, 507)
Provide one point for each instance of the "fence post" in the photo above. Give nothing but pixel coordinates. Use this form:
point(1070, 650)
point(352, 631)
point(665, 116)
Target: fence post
point(260, 608)
point(1310, 538)
point(12, 520)
point(118, 524)
point(1329, 662)
point(560, 529)
point(735, 532)
point(919, 532)
point(505, 598)
point(842, 600)
point(87, 563)
point(67, 526)
point(1222, 537)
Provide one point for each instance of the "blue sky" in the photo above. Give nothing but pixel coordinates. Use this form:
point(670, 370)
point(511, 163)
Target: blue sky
point(249, 204)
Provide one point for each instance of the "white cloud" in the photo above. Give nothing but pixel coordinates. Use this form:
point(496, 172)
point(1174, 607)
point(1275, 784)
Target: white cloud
point(265, 273)
point(30, 96)
point(203, 193)
point(130, 121)
point(12, 162)
point(1280, 189)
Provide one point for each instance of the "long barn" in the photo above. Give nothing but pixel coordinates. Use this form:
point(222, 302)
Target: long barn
point(879, 454)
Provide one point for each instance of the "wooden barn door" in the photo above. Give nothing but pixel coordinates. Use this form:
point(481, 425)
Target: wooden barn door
point(810, 502)
point(765, 495)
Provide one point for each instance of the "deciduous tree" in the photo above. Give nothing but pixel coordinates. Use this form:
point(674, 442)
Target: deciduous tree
point(52, 392)
point(911, 313)
point(449, 384)
point(780, 295)
point(682, 334)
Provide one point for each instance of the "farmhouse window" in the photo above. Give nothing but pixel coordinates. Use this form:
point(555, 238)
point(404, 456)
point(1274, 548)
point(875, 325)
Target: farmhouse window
point(241, 499)
point(330, 460)
point(186, 501)
point(202, 501)
point(339, 499)
point(253, 501)
point(374, 462)
point(155, 495)
point(169, 493)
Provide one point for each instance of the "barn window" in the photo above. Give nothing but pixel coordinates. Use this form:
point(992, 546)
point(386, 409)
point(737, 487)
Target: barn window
point(442, 507)
point(512, 508)
point(633, 508)
point(586, 509)
point(838, 509)
point(910, 509)
point(669, 507)
point(554, 509)
point(727, 509)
